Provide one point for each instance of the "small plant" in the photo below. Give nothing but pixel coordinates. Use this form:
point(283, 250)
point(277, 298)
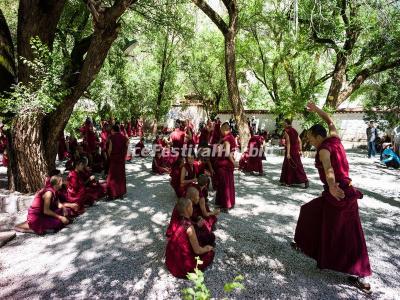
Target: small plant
point(200, 290)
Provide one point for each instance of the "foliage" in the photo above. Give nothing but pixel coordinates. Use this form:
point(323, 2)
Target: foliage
point(46, 88)
point(200, 290)
point(382, 102)
point(203, 65)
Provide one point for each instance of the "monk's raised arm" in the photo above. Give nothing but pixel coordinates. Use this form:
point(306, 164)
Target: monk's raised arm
point(324, 116)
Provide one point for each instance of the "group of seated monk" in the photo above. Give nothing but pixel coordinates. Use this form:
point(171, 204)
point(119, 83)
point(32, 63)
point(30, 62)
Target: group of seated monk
point(190, 231)
point(58, 203)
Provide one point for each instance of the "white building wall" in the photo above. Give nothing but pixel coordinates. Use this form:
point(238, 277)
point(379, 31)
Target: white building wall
point(351, 125)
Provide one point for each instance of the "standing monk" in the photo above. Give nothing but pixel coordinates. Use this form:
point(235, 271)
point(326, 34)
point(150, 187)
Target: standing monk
point(216, 134)
point(292, 168)
point(329, 228)
point(225, 165)
point(116, 179)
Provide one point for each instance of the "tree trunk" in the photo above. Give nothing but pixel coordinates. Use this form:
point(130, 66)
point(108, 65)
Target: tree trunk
point(28, 162)
point(7, 63)
point(338, 79)
point(233, 89)
point(36, 18)
point(34, 136)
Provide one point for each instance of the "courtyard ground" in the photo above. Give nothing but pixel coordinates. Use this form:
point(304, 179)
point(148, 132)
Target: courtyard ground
point(116, 249)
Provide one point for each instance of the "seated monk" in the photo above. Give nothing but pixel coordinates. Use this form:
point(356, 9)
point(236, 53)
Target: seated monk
point(77, 193)
point(62, 193)
point(47, 213)
point(202, 216)
point(251, 159)
point(203, 226)
point(175, 175)
point(183, 246)
point(187, 175)
point(159, 165)
point(140, 149)
point(93, 187)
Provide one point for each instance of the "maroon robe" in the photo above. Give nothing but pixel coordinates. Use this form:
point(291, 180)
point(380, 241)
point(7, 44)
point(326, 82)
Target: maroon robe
point(40, 222)
point(77, 193)
point(175, 179)
point(116, 179)
point(190, 174)
point(292, 169)
point(225, 196)
point(90, 141)
point(139, 128)
point(330, 230)
point(129, 129)
point(158, 165)
point(177, 138)
point(204, 137)
point(216, 134)
point(138, 149)
point(94, 188)
point(249, 162)
point(179, 254)
point(62, 147)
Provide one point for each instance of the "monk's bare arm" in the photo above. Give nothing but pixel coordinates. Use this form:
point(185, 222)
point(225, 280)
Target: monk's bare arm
point(46, 207)
point(324, 116)
point(197, 249)
point(287, 141)
point(324, 156)
point(300, 144)
point(227, 148)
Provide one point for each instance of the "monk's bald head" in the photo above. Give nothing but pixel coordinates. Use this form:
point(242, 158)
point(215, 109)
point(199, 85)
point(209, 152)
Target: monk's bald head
point(202, 180)
point(182, 205)
point(225, 127)
point(192, 193)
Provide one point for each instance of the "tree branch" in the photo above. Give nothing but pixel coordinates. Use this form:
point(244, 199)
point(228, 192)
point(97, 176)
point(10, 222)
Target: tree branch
point(364, 74)
point(216, 18)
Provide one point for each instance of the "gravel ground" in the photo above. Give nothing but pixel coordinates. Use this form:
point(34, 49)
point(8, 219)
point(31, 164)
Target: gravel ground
point(116, 250)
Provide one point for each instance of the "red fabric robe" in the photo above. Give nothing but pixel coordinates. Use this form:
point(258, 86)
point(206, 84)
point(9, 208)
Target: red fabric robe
point(329, 230)
point(116, 179)
point(225, 196)
point(157, 165)
point(177, 138)
point(37, 220)
point(77, 193)
point(179, 254)
point(139, 149)
point(293, 170)
point(216, 134)
point(249, 162)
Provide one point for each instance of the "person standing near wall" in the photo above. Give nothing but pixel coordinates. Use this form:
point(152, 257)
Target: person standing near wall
point(372, 134)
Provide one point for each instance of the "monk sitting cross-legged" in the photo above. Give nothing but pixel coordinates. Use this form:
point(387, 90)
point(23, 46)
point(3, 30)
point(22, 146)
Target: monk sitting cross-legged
point(159, 165)
point(47, 213)
point(183, 246)
point(77, 192)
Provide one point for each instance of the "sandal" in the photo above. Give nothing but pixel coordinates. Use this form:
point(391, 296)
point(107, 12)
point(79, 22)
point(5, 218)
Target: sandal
point(294, 246)
point(364, 287)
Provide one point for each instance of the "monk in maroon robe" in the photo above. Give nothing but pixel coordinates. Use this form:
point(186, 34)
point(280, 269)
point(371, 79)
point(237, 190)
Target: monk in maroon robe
point(216, 133)
point(77, 192)
point(175, 174)
point(116, 179)
point(187, 175)
point(139, 127)
point(183, 246)
point(251, 160)
point(159, 165)
point(177, 138)
point(140, 149)
point(46, 213)
point(292, 167)
point(329, 228)
point(205, 134)
point(62, 147)
point(225, 165)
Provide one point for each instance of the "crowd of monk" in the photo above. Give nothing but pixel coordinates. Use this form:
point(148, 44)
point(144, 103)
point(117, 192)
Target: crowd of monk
point(328, 229)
